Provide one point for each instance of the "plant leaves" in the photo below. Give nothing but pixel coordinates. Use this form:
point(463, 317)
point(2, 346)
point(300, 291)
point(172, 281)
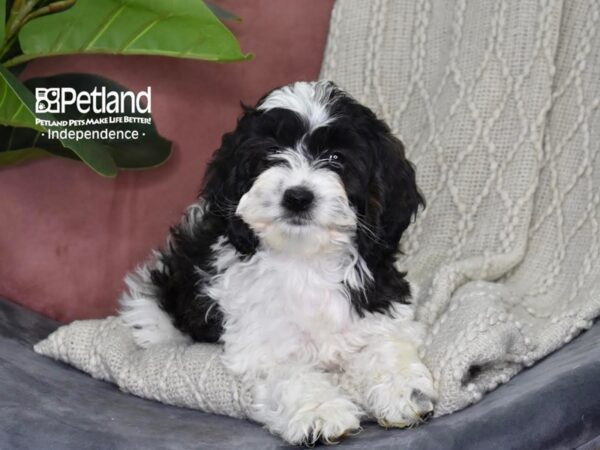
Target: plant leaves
point(16, 102)
point(185, 28)
point(149, 150)
point(16, 113)
point(93, 154)
point(22, 155)
point(221, 13)
point(2, 20)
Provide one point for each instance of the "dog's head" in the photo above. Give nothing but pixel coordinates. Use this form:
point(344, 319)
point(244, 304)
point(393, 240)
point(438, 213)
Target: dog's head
point(309, 168)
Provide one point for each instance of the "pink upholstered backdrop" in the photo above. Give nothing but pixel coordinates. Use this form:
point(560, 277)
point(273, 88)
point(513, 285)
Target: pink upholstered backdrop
point(67, 236)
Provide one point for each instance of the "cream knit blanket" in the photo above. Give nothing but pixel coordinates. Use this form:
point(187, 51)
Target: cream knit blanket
point(497, 103)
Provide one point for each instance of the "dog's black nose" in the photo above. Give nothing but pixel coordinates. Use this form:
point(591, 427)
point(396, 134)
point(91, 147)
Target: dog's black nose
point(297, 199)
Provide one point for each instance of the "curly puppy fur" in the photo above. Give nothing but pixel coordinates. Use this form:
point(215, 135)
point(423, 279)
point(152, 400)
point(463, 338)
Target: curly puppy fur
point(287, 258)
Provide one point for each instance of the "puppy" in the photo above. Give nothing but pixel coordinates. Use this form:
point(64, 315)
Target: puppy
point(287, 259)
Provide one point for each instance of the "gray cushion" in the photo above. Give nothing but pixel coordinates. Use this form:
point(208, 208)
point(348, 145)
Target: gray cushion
point(48, 405)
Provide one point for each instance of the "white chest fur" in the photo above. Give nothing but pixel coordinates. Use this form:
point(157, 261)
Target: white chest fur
point(278, 307)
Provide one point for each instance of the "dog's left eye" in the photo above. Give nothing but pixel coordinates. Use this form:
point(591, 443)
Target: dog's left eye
point(336, 159)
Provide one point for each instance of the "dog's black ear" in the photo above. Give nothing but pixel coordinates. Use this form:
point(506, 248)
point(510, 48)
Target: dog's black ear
point(399, 190)
point(226, 180)
point(392, 201)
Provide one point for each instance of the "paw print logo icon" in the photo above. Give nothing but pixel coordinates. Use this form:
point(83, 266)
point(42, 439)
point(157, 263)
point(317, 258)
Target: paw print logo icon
point(47, 100)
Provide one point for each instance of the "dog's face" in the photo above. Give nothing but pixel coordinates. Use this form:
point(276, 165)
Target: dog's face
point(310, 168)
point(299, 203)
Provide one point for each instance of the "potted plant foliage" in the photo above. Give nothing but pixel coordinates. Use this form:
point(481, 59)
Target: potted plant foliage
point(31, 29)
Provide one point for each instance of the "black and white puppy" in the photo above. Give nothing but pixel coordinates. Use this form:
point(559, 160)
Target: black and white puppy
point(288, 259)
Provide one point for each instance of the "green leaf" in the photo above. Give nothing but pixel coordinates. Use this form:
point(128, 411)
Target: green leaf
point(149, 150)
point(94, 154)
point(18, 156)
point(2, 20)
point(183, 28)
point(16, 102)
point(16, 110)
point(221, 13)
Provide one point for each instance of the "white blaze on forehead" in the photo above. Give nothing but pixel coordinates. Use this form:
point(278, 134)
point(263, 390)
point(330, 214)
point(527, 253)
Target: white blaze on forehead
point(296, 158)
point(307, 99)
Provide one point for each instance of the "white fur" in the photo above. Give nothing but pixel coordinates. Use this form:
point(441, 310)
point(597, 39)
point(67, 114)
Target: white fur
point(307, 99)
point(302, 405)
point(398, 387)
point(332, 218)
point(149, 323)
point(289, 323)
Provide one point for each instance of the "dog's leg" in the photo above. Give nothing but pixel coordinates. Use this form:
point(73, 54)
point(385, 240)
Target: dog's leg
point(395, 386)
point(302, 405)
point(140, 310)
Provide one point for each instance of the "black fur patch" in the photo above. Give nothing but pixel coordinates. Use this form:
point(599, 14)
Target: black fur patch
point(187, 264)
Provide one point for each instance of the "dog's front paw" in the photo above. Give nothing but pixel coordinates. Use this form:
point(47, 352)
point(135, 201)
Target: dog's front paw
point(328, 422)
point(402, 399)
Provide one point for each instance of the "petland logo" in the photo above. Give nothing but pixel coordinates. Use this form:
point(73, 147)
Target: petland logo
point(99, 101)
point(100, 114)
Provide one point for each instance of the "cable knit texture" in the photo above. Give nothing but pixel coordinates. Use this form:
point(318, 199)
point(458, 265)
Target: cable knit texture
point(498, 106)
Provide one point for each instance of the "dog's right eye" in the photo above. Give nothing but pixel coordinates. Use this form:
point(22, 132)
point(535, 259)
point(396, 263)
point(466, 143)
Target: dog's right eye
point(336, 159)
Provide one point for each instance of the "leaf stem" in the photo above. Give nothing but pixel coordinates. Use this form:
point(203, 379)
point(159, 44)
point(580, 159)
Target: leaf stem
point(14, 10)
point(7, 46)
point(51, 8)
point(20, 10)
point(19, 59)
point(20, 14)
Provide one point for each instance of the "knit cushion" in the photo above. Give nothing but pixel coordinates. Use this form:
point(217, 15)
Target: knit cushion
point(190, 375)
